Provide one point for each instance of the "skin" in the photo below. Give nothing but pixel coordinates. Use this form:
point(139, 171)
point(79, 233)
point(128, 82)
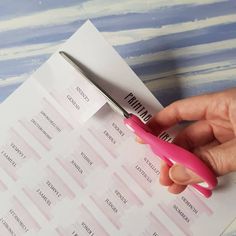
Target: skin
point(211, 136)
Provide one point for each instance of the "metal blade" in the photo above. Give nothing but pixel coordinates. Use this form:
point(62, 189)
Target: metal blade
point(114, 104)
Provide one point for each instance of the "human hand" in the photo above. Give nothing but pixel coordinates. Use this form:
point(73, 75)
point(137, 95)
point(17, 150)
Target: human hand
point(212, 136)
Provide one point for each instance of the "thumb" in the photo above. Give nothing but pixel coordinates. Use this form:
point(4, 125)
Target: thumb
point(221, 159)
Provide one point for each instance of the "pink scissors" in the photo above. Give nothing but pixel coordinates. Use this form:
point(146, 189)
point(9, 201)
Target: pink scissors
point(168, 152)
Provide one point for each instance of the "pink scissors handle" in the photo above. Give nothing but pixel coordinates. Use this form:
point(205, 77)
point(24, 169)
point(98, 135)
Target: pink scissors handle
point(172, 153)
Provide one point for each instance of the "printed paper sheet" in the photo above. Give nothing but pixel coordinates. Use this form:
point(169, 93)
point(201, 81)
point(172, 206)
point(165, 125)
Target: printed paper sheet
point(69, 166)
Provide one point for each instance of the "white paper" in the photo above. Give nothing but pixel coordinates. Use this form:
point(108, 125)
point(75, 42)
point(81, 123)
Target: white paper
point(69, 166)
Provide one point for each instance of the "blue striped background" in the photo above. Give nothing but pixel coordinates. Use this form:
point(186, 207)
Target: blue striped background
point(178, 48)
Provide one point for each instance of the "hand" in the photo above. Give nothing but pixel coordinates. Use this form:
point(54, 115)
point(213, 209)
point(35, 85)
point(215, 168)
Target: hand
point(212, 136)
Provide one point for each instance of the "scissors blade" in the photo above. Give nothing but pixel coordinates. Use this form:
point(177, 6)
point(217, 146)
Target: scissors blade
point(114, 104)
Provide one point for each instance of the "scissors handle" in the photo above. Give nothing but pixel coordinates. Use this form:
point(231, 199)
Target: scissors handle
point(172, 153)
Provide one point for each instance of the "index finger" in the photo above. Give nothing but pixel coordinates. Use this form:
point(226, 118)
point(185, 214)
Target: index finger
point(189, 109)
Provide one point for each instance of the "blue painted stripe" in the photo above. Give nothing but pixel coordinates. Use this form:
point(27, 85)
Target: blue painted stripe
point(17, 67)
point(169, 95)
point(152, 19)
point(164, 16)
point(47, 34)
point(7, 90)
point(178, 40)
point(203, 72)
point(157, 44)
point(9, 8)
point(156, 67)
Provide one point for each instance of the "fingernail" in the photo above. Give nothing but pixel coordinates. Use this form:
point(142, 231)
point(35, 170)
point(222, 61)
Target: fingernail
point(179, 174)
point(139, 140)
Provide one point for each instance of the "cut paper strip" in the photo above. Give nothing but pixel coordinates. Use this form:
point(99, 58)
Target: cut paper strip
point(109, 130)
